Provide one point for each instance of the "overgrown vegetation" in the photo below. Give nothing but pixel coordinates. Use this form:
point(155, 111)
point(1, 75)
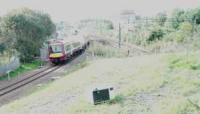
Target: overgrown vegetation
point(155, 35)
point(189, 62)
point(98, 49)
point(184, 74)
point(98, 24)
point(117, 99)
point(157, 85)
point(25, 30)
point(2, 48)
point(178, 28)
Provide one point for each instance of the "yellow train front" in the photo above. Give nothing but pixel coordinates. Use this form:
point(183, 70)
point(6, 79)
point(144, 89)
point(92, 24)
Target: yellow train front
point(62, 50)
point(56, 52)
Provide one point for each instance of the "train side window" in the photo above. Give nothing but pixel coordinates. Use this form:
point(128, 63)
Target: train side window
point(76, 44)
point(67, 47)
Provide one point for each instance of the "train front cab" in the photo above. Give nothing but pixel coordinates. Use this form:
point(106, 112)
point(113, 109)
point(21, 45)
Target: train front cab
point(56, 53)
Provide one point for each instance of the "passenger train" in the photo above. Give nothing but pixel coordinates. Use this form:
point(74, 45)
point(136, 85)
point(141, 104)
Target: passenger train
point(61, 50)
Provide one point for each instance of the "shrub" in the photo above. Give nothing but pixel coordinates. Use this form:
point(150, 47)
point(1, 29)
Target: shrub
point(117, 99)
point(185, 27)
point(179, 37)
point(2, 48)
point(27, 29)
point(103, 50)
point(155, 35)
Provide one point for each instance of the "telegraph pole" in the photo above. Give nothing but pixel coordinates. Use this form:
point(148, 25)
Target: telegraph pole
point(193, 26)
point(119, 35)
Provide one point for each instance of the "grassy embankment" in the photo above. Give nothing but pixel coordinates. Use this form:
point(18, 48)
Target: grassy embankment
point(155, 84)
point(24, 67)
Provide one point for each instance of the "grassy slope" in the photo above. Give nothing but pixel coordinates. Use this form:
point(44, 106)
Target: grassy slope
point(155, 84)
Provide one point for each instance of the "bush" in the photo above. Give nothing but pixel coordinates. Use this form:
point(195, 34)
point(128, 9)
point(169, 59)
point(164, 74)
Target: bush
point(196, 16)
point(101, 50)
point(2, 48)
point(177, 36)
point(117, 99)
point(27, 29)
point(155, 35)
point(177, 18)
point(185, 27)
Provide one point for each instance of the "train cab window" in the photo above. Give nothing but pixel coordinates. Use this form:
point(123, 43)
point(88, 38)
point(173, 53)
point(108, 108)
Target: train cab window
point(56, 48)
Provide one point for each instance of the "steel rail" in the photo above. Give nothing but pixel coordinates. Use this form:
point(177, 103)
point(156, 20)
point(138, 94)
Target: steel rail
point(28, 80)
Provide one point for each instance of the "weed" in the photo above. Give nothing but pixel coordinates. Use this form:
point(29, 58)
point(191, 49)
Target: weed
point(117, 99)
point(101, 50)
point(189, 62)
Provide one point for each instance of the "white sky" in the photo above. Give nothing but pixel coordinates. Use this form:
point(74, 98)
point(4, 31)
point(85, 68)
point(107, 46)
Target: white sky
point(77, 9)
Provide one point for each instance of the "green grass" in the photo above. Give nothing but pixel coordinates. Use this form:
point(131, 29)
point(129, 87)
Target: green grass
point(153, 84)
point(185, 61)
point(24, 67)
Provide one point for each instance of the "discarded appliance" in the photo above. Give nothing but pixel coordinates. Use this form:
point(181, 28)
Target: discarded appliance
point(101, 95)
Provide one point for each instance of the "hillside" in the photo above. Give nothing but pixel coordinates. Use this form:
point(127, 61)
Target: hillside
point(156, 84)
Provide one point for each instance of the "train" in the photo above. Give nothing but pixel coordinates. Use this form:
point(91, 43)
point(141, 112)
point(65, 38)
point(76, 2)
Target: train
point(61, 50)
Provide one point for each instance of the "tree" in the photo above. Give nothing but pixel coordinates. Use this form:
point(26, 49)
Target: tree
point(27, 30)
point(177, 18)
point(2, 48)
point(108, 24)
point(155, 35)
point(196, 16)
point(185, 27)
point(161, 17)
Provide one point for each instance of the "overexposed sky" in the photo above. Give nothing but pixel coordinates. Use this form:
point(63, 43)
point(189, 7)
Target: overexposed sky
point(68, 10)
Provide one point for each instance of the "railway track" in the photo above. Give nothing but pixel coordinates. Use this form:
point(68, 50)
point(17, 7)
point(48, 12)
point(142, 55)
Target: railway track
point(25, 81)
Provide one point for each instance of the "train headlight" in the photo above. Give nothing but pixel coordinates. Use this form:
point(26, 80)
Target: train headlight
point(55, 55)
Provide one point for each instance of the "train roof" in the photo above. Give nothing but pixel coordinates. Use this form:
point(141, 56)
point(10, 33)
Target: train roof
point(67, 40)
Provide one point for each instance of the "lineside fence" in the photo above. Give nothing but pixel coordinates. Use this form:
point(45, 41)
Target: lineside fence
point(14, 64)
point(44, 54)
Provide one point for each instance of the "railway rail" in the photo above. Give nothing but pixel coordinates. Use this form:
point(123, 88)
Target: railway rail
point(25, 81)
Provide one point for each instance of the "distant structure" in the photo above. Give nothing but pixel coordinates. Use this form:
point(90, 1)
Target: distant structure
point(128, 16)
point(128, 19)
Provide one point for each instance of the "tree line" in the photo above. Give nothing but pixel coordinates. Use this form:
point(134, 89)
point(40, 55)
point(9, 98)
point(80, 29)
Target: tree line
point(178, 27)
point(179, 24)
point(24, 31)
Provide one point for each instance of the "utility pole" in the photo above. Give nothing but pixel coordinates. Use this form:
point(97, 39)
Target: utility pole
point(193, 26)
point(119, 35)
